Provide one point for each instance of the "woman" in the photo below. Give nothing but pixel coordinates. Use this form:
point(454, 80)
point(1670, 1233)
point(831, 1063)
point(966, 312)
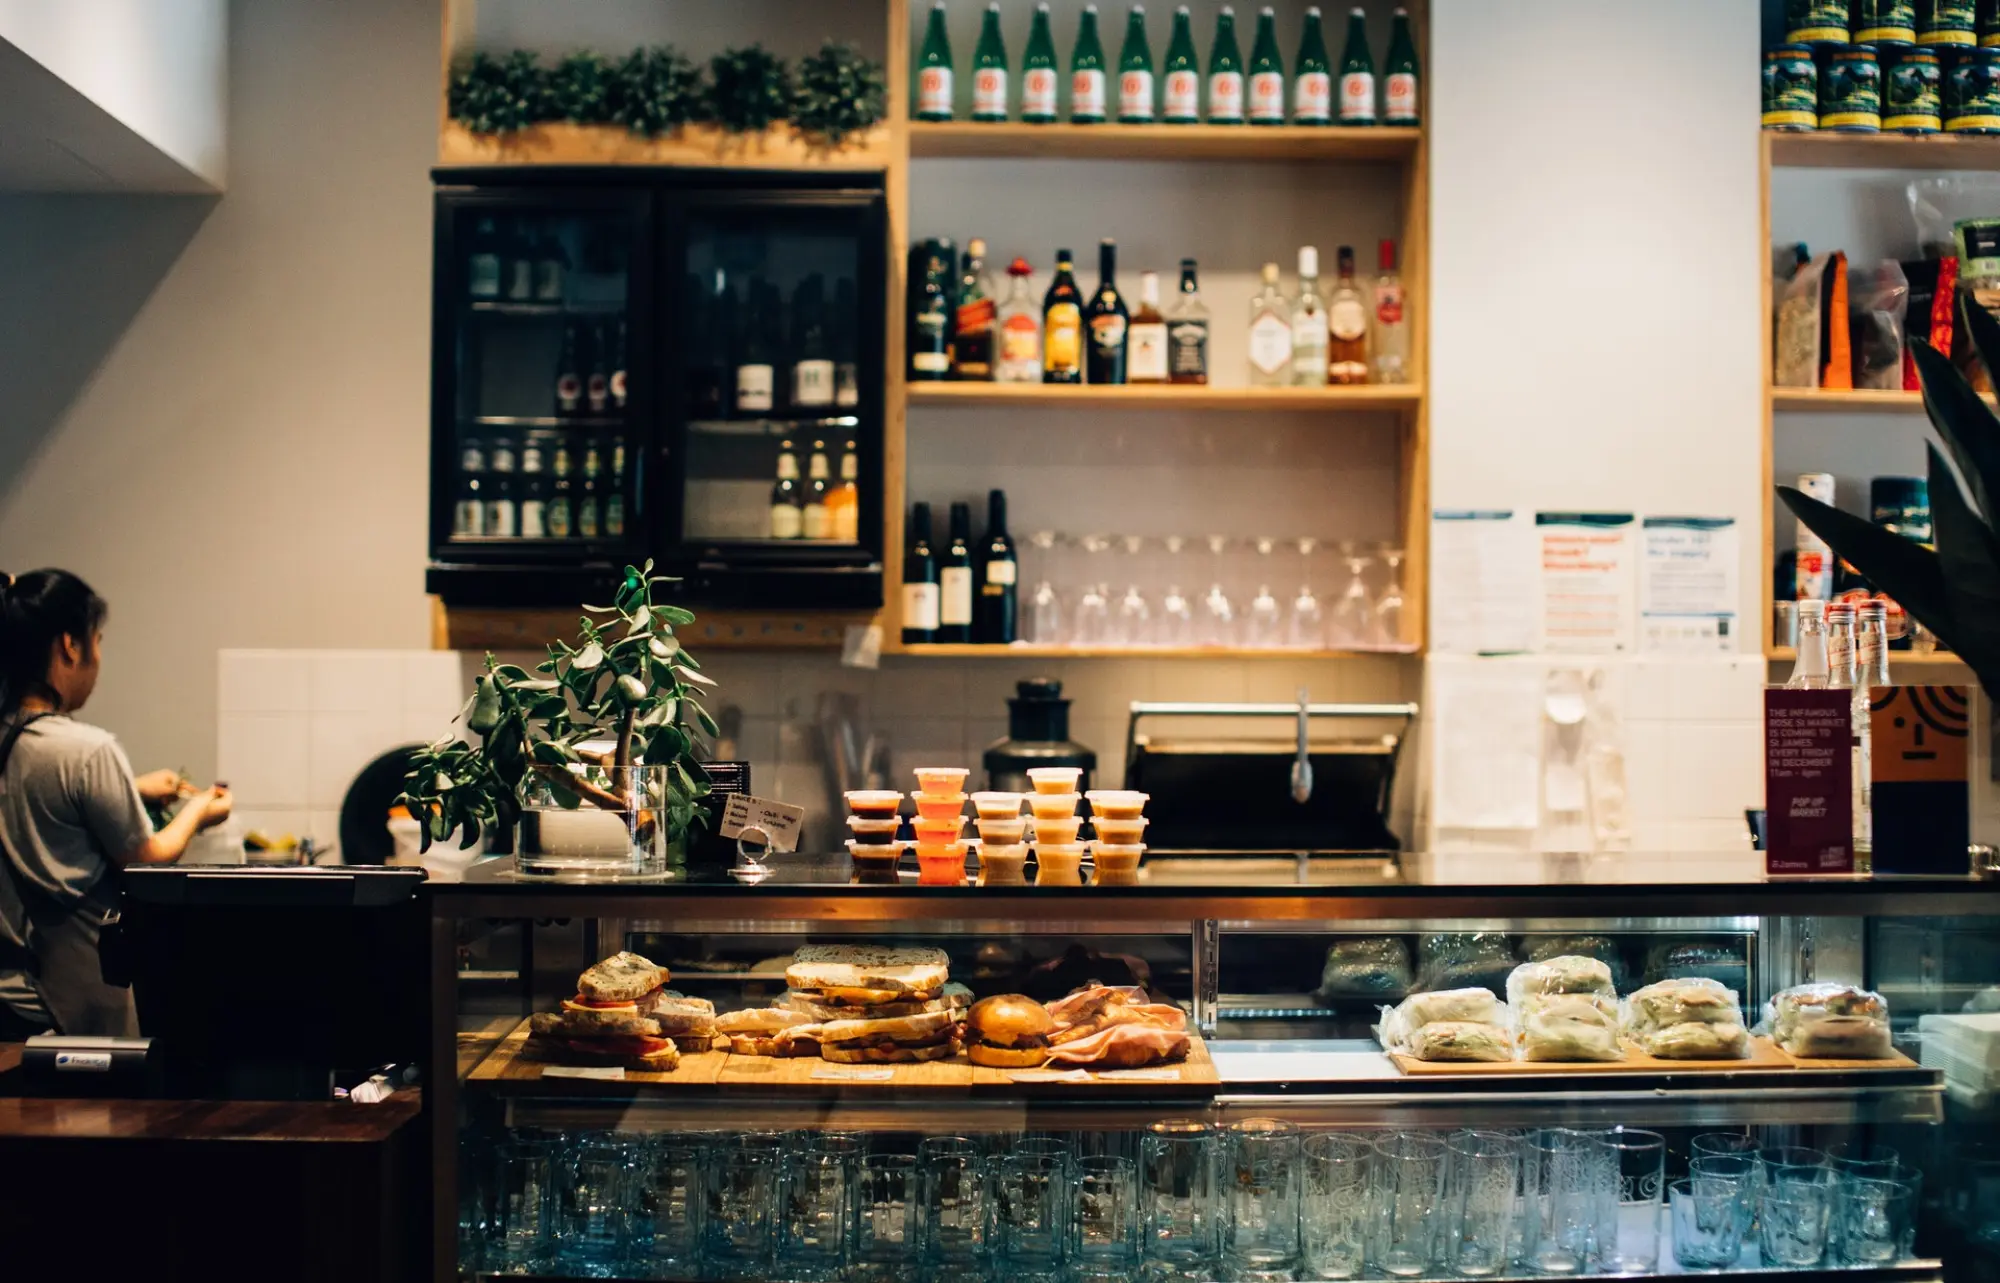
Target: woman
point(71, 814)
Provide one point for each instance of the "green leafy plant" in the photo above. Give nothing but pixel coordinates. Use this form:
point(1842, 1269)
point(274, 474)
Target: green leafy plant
point(490, 95)
point(748, 89)
point(839, 93)
point(582, 89)
point(659, 90)
point(627, 677)
point(1954, 591)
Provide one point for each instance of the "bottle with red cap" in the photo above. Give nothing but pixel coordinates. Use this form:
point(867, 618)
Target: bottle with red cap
point(1018, 326)
point(1391, 320)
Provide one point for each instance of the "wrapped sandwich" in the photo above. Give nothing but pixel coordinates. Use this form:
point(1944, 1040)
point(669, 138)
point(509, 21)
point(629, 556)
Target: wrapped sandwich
point(1830, 1021)
point(1602, 948)
point(1456, 959)
point(1563, 974)
point(1460, 1040)
point(1694, 1019)
point(1569, 1026)
point(1455, 1024)
point(1365, 967)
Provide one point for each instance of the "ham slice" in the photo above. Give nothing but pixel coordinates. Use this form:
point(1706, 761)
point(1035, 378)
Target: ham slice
point(1125, 1046)
point(1091, 995)
point(1086, 1013)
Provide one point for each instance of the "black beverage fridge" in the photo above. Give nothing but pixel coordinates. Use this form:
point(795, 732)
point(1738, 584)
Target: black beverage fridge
point(676, 364)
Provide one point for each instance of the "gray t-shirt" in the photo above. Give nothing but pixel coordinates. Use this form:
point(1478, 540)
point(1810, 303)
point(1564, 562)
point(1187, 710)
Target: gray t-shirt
point(69, 811)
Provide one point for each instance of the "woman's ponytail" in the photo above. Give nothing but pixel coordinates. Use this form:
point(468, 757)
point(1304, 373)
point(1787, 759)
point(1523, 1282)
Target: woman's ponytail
point(36, 610)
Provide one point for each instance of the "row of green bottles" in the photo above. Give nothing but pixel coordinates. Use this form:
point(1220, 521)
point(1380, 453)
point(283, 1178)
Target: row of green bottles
point(1312, 101)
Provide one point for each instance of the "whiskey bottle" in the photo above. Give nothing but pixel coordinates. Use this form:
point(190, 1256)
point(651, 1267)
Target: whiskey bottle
point(1347, 318)
point(972, 341)
point(1187, 331)
point(931, 311)
point(1062, 325)
point(1146, 355)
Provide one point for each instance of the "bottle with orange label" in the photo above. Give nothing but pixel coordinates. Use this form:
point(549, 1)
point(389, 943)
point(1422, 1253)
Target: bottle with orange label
point(1019, 330)
point(934, 87)
point(1062, 324)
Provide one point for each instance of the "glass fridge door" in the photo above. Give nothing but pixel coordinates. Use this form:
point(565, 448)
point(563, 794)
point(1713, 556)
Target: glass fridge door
point(539, 442)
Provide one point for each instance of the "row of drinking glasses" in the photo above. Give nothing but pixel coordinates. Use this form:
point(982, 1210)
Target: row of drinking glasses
point(1128, 590)
point(1256, 1200)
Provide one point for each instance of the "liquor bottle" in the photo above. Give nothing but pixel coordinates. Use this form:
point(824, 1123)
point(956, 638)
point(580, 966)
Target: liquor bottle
point(597, 386)
point(1018, 330)
point(711, 375)
point(1267, 73)
point(989, 69)
point(1347, 319)
point(561, 515)
point(931, 319)
point(1062, 325)
point(755, 377)
point(1312, 84)
point(569, 374)
point(1039, 74)
point(1270, 333)
point(550, 266)
point(818, 523)
point(787, 496)
point(1225, 72)
point(934, 69)
point(588, 525)
point(1086, 72)
point(812, 360)
point(1187, 331)
point(468, 514)
point(1309, 324)
point(843, 505)
point(1809, 669)
point(1147, 350)
point(1392, 323)
point(1871, 670)
point(500, 512)
point(614, 497)
point(1400, 96)
point(1843, 673)
point(920, 581)
point(1357, 74)
point(617, 363)
point(972, 339)
point(1135, 72)
point(1182, 73)
point(1105, 321)
point(482, 264)
point(955, 579)
point(998, 613)
point(846, 369)
point(534, 503)
point(518, 273)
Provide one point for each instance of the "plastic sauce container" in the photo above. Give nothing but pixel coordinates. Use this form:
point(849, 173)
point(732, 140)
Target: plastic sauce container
point(1059, 864)
point(874, 857)
point(941, 779)
point(1117, 804)
point(1052, 806)
point(1058, 832)
point(1055, 779)
point(1004, 832)
point(1003, 866)
point(933, 829)
point(941, 863)
point(1119, 832)
point(873, 832)
point(1117, 857)
point(874, 803)
point(996, 806)
point(940, 806)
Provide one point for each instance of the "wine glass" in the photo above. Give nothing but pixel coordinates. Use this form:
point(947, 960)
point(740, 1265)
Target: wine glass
point(1354, 615)
point(1132, 621)
point(1389, 606)
point(1045, 615)
point(1217, 622)
point(1093, 605)
point(1176, 626)
point(1265, 626)
point(1307, 623)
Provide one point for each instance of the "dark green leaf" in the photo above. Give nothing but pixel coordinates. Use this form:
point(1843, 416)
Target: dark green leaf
point(674, 614)
point(1907, 571)
point(1963, 421)
point(512, 672)
point(707, 722)
point(552, 754)
point(469, 830)
point(1971, 564)
point(666, 744)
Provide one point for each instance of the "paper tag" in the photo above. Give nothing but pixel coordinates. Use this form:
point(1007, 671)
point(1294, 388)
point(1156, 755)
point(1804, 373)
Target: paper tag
point(780, 820)
point(1049, 1075)
point(861, 647)
point(1140, 1075)
point(842, 1074)
point(604, 1073)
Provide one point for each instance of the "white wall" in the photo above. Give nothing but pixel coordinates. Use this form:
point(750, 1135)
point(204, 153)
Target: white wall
point(159, 66)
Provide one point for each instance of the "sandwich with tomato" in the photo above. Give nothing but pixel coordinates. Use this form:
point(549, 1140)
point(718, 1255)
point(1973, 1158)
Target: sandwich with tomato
point(616, 1019)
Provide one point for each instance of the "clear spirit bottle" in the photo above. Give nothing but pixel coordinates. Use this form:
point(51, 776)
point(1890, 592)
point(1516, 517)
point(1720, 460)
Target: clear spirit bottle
point(1392, 320)
point(1270, 333)
point(1309, 332)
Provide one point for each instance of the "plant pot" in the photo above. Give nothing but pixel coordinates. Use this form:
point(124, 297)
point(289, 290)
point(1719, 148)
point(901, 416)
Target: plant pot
point(617, 829)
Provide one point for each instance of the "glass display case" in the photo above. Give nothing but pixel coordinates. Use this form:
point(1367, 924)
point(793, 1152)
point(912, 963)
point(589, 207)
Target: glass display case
point(1277, 1140)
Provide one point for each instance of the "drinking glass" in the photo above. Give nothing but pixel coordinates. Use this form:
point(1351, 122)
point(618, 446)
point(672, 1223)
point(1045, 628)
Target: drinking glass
point(518, 1222)
point(1723, 1143)
point(1485, 1172)
point(1409, 1182)
point(1093, 603)
point(1708, 1229)
point(1629, 1185)
point(743, 1189)
point(1306, 625)
point(1177, 1199)
point(1176, 626)
point(1558, 1216)
point(819, 1202)
point(1260, 1232)
point(1388, 622)
point(1216, 623)
point(887, 1233)
point(1354, 614)
point(1031, 1202)
point(1793, 1214)
point(591, 1201)
point(1044, 621)
point(1874, 1220)
point(1735, 1173)
point(1264, 623)
point(955, 1205)
point(1104, 1229)
point(667, 1212)
point(1873, 1162)
point(1333, 1221)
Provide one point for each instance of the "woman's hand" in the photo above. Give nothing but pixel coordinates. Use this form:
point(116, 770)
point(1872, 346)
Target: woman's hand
point(212, 804)
point(160, 787)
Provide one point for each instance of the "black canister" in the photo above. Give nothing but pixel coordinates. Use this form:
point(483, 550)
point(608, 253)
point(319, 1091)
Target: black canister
point(1037, 735)
point(1885, 24)
point(1912, 103)
point(1816, 22)
point(1972, 95)
point(1850, 93)
point(1791, 88)
point(1947, 22)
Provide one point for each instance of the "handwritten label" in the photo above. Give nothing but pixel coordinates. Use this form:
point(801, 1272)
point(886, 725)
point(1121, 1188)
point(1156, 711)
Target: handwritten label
point(603, 1073)
point(842, 1074)
point(780, 821)
point(1808, 781)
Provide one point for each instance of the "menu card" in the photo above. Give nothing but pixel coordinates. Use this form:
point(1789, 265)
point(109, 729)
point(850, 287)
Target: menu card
point(1808, 781)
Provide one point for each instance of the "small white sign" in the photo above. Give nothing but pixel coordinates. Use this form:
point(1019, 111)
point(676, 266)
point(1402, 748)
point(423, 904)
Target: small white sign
point(1050, 1075)
point(780, 821)
point(603, 1073)
point(1140, 1075)
point(861, 646)
point(843, 1074)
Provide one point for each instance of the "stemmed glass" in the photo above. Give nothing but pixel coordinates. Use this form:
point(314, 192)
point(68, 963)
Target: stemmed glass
point(1265, 626)
point(1354, 615)
point(1308, 622)
point(1176, 626)
point(1389, 606)
point(1045, 614)
point(1132, 624)
point(1217, 625)
point(1093, 606)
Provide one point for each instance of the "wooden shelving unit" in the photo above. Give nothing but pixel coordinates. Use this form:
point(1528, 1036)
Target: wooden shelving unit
point(780, 147)
point(1141, 396)
point(1881, 151)
point(1161, 142)
point(1028, 650)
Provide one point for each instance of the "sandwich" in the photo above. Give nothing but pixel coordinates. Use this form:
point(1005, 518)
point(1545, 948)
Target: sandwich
point(866, 975)
point(1010, 1031)
point(767, 1031)
point(623, 982)
point(889, 1040)
point(614, 1019)
point(1133, 1045)
point(690, 1022)
point(953, 997)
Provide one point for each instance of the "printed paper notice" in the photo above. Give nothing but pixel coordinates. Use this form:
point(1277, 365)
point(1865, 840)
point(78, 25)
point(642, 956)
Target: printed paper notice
point(1687, 585)
point(1482, 581)
point(1487, 716)
point(1808, 781)
point(1589, 582)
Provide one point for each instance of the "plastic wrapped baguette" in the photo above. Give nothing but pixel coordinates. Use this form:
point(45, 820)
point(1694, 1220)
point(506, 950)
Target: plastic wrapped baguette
point(1694, 1019)
point(1831, 1021)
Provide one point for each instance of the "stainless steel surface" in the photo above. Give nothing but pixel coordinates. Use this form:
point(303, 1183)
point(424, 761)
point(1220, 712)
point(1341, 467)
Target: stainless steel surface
point(1302, 767)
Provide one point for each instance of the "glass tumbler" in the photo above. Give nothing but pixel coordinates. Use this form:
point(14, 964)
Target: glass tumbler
point(1875, 1220)
point(1408, 1189)
point(1485, 1173)
point(591, 1200)
point(1558, 1217)
point(1031, 1204)
point(1735, 1174)
point(668, 1205)
point(743, 1188)
point(1629, 1183)
point(1104, 1226)
point(955, 1205)
point(1793, 1215)
point(1708, 1233)
point(1177, 1201)
point(518, 1222)
point(1261, 1179)
point(1333, 1215)
point(820, 1189)
point(887, 1232)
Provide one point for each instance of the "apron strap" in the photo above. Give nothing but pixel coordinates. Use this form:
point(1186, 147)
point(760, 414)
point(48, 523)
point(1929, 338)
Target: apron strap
point(14, 957)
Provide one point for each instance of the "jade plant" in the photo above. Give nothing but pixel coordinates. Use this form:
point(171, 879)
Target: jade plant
point(626, 679)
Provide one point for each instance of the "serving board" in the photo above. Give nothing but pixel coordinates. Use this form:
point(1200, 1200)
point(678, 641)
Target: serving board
point(1894, 1060)
point(1194, 1076)
point(1764, 1054)
point(513, 1061)
point(810, 1073)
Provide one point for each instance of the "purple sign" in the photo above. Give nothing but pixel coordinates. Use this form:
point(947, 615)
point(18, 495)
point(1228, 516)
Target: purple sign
point(1808, 781)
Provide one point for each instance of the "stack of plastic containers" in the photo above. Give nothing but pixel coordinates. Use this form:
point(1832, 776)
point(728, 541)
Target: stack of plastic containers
point(940, 825)
point(1003, 839)
point(1058, 855)
point(874, 817)
point(1118, 818)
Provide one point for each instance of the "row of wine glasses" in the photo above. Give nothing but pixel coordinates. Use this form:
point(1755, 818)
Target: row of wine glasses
point(1178, 591)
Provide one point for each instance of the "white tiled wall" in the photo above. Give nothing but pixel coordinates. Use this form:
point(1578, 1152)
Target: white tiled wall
point(294, 727)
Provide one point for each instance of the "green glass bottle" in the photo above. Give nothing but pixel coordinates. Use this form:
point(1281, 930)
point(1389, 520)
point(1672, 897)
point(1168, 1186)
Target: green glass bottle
point(989, 69)
point(1312, 82)
point(934, 69)
point(1357, 74)
point(1086, 72)
point(1225, 72)
point(1182, 72)
point(1038, 72)
point(1267, 73)
point(1399, 95)
point(1135, 72)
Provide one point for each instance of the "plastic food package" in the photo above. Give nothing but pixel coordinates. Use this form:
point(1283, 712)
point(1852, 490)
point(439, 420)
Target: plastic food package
point(1454, 960)
point(1365, 967)
point(1570, 1026)
point(1831, 1021)
point(1880, 298)
point(1455, 1024)
point(1476, 1004)
point(1796, 363)
point(1565, 974)
point(1461, 1040)
point(1602, 948)
point(1698, 1040)
point(1674, 1002)
point(1720, 961)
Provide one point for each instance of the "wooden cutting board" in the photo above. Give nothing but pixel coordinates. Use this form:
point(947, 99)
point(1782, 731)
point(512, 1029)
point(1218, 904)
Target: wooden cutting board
point(1194, 1076)
point(513, 1061)
point(1894, 1060)
point(1764, 1054)
point(811, 1073)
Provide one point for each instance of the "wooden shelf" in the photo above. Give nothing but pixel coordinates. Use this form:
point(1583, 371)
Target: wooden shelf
point(1162, 142)
point(1027, 650)
point(780, 147)
point(1146, 396)
point(1882, 151)
point(1845, 401)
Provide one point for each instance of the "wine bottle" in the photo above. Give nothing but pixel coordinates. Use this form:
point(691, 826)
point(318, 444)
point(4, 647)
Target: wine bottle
point(920, 580)
point(1105, 322)
point(999, 611)
point(955, 579)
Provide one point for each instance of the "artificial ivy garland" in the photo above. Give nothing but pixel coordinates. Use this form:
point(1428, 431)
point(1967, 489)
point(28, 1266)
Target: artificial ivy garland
point(659, 90)
point(839, 93)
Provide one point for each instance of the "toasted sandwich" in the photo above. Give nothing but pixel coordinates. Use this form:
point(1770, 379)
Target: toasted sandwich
point(767, 1031)
point(890, 1040)
point(861, 975)
point(620, 1016)
point(953, 997)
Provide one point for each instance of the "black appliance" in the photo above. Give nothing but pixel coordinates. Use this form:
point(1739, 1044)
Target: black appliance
point(1037, 735)
point(620, 357)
